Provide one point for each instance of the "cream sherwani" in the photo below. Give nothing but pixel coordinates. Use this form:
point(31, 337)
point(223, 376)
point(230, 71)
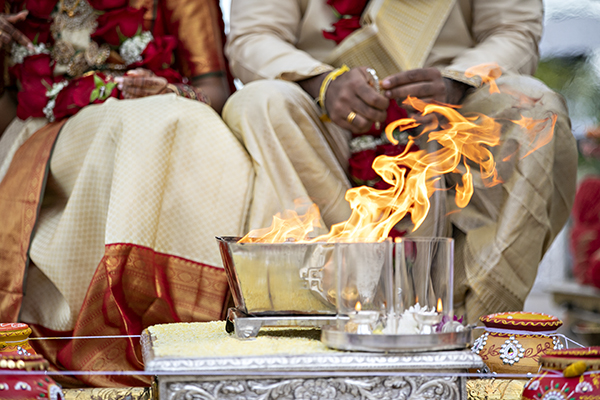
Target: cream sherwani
point(503, 233)
point(283, 39)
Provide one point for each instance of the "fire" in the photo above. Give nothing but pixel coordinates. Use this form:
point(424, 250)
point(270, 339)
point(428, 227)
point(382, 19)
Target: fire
point(464, 142)
point(439, 307)
point(540, 131)
point(287, 226)
point(488, 74)
point(358, 306)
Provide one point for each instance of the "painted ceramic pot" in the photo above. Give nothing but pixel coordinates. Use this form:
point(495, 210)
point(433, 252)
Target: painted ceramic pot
point(14, 385)
point(13, 340)
point(513, 342)
point(571, 374)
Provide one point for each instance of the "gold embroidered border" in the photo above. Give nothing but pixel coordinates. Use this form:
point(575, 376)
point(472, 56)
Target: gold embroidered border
point(20, 195)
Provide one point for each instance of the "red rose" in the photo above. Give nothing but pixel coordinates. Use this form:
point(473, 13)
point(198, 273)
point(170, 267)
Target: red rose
point(390, 149)
point(38, 31)
point(394, 113)
point(381, 185)
point(78, 94)
point(342, 29)
point(33, 68)
point(360, 165)
point(103, 5)
point(115, 26)
point(158, 55)
point(74, 97)
point(170, 75)
point(31, 101)
point(39, 8)
point(348, 7)
point(35, 77)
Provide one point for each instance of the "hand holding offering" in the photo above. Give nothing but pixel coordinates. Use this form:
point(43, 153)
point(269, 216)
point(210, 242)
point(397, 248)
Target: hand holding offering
point(353, 104)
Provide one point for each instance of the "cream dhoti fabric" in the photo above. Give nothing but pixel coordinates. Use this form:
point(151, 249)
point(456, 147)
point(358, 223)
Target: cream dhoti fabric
point(161, 172)
point(296, 157)
point(500, 237)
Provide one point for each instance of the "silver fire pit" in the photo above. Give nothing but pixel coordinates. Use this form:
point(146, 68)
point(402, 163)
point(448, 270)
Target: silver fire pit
point(297, 284)
point(276, 285)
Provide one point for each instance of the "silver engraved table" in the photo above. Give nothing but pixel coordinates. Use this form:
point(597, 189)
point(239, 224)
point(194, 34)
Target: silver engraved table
point(186, 369)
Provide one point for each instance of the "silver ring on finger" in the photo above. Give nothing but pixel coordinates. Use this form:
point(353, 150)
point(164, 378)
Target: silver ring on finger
point(375, 78)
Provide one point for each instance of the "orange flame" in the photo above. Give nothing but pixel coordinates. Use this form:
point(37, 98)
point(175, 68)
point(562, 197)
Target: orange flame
point(488, 74)
point(540, 131)
point(439, 307)
point(288, 226)
point(358, 306)
point(464, 141)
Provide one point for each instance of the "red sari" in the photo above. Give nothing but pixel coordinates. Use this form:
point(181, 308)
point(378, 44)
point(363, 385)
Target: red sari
point(134, 286)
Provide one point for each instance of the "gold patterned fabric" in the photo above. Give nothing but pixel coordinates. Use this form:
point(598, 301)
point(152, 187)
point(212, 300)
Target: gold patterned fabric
point(136, 192)
point(20, 194)
point(160, 172)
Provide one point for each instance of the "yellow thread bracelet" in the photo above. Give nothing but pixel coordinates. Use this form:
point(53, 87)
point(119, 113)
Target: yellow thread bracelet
point(332, 76)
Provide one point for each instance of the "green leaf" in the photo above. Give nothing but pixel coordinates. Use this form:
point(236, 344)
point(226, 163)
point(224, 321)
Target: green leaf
point(36, 38)
point(109, 88)
point(336, 13)
point(98, 81)
point(46, 85)
point(122, 37)
point(94, 95)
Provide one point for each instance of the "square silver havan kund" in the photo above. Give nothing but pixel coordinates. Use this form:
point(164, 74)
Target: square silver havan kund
point(191, 362)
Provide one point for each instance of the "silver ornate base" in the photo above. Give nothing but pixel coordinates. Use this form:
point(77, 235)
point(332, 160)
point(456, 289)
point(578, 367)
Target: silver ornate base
point(413, 388)
point(332, 375)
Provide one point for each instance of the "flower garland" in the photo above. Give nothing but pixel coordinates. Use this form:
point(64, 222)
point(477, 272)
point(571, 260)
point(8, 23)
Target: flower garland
point(119, 42)
point(51, 94)
point(18, 52)
point(131, 50)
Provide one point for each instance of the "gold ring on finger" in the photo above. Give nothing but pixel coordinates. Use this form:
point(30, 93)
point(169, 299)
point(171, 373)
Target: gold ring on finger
point(350, 117)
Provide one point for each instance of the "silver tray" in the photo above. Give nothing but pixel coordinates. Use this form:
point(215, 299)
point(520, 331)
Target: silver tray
point(337, 339)
point(244, 326)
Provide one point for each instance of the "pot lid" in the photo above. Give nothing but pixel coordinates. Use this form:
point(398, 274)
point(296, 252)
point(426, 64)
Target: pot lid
point(521, 320)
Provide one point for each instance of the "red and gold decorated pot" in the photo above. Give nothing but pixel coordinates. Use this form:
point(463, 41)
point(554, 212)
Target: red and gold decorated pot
point(13, 339)
point(18, 379)
point(513, 342)
point(570, 374)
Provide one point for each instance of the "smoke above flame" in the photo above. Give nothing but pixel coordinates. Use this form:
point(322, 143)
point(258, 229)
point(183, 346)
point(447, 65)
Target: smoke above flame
point(464, 143)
